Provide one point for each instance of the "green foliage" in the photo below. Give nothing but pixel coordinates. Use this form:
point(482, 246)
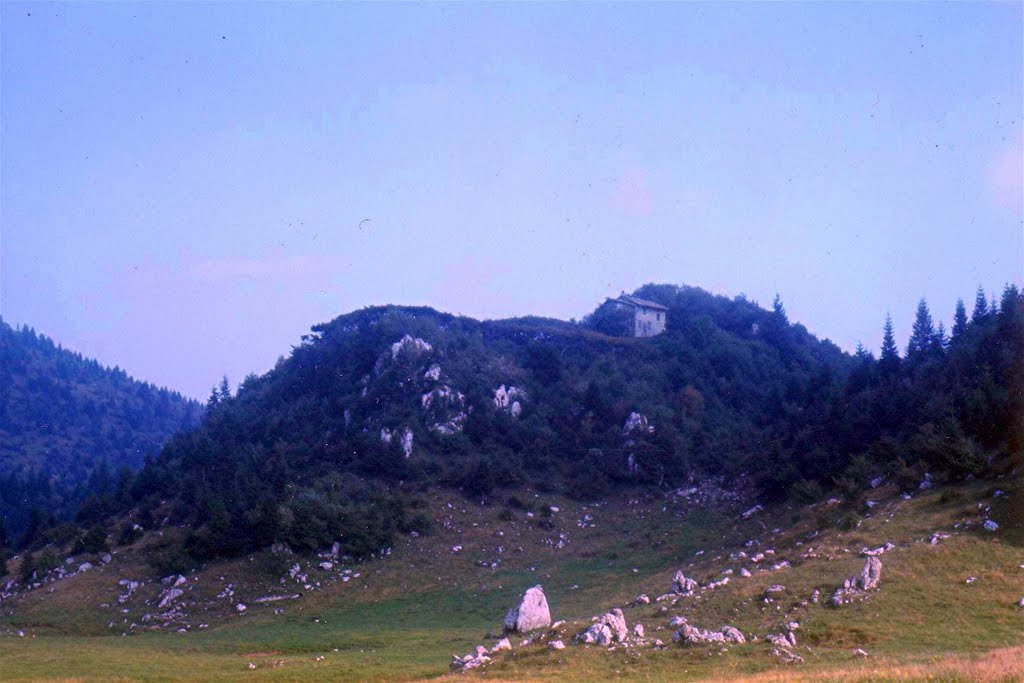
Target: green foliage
point(64, 420)
point(299, 455)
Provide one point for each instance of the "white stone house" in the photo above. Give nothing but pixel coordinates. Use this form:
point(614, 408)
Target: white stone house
point(648, 317)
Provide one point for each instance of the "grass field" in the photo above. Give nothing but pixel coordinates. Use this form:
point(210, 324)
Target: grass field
point(407, 614)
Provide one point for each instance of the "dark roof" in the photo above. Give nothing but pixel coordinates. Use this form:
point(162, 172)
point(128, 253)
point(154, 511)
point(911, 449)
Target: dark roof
point(640, 303)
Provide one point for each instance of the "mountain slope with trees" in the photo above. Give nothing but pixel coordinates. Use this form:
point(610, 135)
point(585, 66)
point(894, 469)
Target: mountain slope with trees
point(373, 410)
point(68, 425)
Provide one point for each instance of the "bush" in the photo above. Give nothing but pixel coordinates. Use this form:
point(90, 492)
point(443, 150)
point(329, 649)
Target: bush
point(848, 522)
point(93, 541)
point(805, 491)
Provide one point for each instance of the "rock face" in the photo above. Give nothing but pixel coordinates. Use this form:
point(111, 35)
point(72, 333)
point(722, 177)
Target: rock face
point(407, 343)
point(507, 400)
point(683, 585)
point(531, 613)
point(637, 423)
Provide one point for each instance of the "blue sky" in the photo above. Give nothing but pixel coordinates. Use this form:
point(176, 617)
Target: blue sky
point(187, 187)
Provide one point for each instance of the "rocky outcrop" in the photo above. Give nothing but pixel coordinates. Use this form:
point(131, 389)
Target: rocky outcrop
point(531, 613)
point(691, 635)
point(508, 400)
point(683, 585)
point(637, 423)
point(410, 345)
point(868, 579)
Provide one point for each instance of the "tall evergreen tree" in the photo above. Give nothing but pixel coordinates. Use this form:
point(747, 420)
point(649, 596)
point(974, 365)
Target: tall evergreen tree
point(225, 388)
point(940, 342)
point(959, 319)
point(889, 359)
point(980, 306)
point(922, 334)
point(778, 308)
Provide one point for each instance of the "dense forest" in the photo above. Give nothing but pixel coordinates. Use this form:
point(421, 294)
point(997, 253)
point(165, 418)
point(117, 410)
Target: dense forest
point(69, 425)
point(373, 410)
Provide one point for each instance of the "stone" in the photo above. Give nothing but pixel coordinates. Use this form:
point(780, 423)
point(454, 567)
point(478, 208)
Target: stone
point(733, 635)
point(642, 599)
point(871, 574)
point(683, 585)
point(636, 423)
point(990, 525)
point(744, 572)
point(502, 645)
point(240, 607)
point(638, 630)
point(752, 511)
point(169, 596)
point(408, 343)
point(531, 613)
point(556, 645)
point(406, 442)
point(597, 634)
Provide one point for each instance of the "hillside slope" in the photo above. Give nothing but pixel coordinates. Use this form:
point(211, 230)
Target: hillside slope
point(377, 408)
point(67, 424)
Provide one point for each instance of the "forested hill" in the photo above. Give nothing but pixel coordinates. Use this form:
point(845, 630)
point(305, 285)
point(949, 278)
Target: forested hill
point(376, 407)
point(68, 424)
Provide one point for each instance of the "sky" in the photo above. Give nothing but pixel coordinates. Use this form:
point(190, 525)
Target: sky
point(186, 188)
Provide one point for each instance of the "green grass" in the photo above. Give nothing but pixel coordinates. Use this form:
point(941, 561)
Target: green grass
point(412, 611)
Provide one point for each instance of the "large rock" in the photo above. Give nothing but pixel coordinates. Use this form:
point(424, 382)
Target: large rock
point(683, 585)
point(868, 579)
point(871, 574)
point(531, 613)
point(607, 629)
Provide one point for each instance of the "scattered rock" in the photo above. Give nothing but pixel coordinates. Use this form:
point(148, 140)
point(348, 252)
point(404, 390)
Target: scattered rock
point(556, 645)
point(990, 525)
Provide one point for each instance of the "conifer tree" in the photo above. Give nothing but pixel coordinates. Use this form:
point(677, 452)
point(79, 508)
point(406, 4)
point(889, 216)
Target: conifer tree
point(889, 359)
point(959, 319)
point(980, 306)
point(225, 388)
point(778, 308)
point(940, 342)
point(923, 332)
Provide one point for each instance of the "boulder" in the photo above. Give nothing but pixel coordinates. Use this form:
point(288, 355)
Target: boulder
point(607, 629)
point(733, 635)
point(502, 645)
point(597, 634)
point(683, 585)
point(531, 613)
point(871, 574)
point(556, 645)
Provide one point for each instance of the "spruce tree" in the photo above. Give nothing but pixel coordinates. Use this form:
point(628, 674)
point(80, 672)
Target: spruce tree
point(225, 388)
point(959, 319)
point(889, 359)
point(980, 306)
point(778, 308)
point(923, 332)
point(940, 342)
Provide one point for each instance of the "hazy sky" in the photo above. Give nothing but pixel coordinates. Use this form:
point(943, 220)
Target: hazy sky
point(186, 188)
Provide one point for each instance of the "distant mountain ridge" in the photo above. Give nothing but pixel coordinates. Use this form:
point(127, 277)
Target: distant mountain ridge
point(67, 423)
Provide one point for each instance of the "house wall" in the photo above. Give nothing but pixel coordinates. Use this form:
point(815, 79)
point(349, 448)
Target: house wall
point(648, 322)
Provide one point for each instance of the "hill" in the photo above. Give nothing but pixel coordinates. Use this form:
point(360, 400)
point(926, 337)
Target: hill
point(375, 409)
point(68, 424)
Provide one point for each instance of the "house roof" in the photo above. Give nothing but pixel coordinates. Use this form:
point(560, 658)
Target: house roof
point(641, 303)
